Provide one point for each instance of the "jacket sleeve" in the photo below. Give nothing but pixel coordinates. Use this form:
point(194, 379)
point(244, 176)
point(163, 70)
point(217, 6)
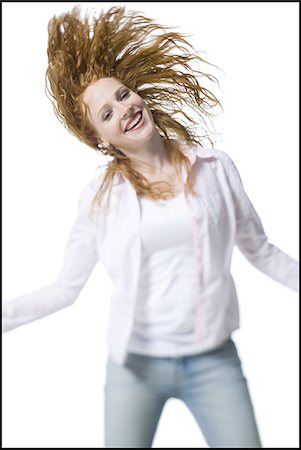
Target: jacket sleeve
point(252, 240)
point(79, 260)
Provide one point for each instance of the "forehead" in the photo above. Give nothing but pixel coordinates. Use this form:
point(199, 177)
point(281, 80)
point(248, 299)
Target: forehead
point(101, 91)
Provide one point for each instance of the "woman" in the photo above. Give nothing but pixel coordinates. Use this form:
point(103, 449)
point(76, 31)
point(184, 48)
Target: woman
point(163, 219)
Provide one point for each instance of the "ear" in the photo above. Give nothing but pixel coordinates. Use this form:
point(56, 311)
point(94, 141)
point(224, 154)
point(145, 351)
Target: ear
point(103, 142)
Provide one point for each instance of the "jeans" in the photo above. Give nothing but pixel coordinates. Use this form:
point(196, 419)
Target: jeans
point(211, 384)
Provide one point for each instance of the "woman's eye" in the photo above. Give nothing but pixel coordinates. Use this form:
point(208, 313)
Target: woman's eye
point(125, 94)
point(107, 116)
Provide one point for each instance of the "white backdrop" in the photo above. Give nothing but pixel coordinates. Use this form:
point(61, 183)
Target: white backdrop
point(53, 369)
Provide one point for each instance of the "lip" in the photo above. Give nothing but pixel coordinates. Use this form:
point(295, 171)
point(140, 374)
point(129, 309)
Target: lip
point(132, 118)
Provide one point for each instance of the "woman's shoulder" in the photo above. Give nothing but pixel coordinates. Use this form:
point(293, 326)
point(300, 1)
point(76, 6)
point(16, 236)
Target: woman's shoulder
point(211, 152)
point(207, 153)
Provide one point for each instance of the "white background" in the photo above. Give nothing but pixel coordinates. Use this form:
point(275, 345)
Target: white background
point(53, 369)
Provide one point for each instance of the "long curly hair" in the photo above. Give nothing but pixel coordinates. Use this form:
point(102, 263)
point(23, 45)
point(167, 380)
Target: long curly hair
point(150, 59)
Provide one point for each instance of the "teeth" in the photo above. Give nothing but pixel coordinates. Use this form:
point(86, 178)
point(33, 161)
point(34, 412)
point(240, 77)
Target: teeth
point(135, 121)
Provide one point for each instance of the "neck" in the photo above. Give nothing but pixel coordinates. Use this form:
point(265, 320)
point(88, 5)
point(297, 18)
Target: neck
point(151, 157)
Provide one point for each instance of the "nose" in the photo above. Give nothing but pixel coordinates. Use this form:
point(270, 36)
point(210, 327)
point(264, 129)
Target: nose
point(126, 110)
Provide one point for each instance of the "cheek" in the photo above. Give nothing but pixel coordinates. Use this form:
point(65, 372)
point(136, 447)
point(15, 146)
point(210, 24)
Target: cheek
point(149, 113)
point(140, 102)
point(137, 100)
point(112, 131)
point(110, 127)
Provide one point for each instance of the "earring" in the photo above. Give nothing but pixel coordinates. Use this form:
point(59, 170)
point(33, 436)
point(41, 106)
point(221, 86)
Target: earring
point(99, 145)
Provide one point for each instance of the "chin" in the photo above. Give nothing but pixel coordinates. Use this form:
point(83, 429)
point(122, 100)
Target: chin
point(147, 135)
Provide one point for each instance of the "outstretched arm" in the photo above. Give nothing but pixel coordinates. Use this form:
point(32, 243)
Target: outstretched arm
point(79, 260)
point(253, 242)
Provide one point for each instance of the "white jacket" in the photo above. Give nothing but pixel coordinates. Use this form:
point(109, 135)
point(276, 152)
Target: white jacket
point(222, 216)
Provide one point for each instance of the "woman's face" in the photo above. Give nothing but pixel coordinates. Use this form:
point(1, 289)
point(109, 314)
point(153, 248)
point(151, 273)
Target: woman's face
point(119, 115)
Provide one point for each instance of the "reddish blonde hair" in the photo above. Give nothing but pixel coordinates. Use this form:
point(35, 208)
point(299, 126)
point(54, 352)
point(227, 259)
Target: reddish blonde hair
point(148, 58)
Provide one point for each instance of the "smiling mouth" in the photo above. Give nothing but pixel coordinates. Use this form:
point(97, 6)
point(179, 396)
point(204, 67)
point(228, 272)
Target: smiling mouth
point(136, 121)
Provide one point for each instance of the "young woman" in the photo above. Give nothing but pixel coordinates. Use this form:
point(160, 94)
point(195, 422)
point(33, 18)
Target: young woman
point(163, 218)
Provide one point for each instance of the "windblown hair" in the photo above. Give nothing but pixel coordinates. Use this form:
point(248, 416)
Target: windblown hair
point(149, 59)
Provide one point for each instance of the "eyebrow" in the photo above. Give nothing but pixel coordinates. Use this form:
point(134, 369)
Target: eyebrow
point(107, 105)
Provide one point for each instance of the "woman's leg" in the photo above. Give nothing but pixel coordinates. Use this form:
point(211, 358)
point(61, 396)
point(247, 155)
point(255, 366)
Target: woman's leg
point(132, 405)
point(216, 392)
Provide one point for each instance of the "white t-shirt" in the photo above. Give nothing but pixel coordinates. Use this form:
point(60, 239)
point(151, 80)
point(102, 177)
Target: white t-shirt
point(168, 283)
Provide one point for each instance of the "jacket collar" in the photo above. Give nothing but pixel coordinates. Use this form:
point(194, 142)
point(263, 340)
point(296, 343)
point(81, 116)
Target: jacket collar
point(197, 152)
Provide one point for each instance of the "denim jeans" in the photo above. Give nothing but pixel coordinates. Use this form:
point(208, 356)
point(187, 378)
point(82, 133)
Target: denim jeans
point(211, 384)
